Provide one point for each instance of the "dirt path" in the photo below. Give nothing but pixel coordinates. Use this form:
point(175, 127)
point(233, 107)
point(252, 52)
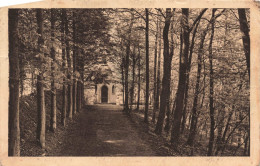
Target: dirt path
point(103, 130)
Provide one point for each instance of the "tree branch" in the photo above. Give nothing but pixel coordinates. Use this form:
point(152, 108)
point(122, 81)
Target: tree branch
point(158, 9)
point(139, 14)
point(197, 19)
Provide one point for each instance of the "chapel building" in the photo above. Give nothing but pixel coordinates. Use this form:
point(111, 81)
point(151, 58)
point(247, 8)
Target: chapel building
point(101, 86)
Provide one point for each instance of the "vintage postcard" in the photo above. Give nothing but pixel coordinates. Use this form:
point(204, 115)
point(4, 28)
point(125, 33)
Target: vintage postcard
point(96, 82)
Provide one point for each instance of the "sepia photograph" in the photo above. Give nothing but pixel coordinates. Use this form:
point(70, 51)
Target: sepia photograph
point(129, 82)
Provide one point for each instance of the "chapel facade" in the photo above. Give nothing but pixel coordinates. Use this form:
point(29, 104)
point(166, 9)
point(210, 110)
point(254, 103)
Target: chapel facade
point(100, 86)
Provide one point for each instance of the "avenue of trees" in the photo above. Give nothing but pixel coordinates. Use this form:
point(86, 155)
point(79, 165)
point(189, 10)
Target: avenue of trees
point(47, 46)
point(186, 70)
point(195, 74)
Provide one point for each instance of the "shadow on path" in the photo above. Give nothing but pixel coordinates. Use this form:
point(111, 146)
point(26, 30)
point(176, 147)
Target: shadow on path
point(103, 130)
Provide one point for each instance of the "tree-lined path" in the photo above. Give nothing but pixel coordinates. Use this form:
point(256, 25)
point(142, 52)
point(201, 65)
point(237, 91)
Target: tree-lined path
point(102, 130)
point(181, 77)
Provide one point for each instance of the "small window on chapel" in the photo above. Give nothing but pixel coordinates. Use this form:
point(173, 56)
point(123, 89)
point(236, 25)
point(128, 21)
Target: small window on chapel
point(95, 89)
point(113, 89)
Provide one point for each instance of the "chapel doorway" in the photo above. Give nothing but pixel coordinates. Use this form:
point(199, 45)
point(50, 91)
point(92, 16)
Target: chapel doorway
point(104, 94)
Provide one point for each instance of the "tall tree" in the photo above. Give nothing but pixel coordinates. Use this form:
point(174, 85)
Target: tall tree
point(122, 67)
point(80, 82)
point(167, 125)
point(53, 88)
point(64, 88)
point(194, 120)
point(188, 68)
point(126, 106)
point(182, 78)
point(14, 127)
point(78, 97)
point(166, 73)
point(133, 77)
point(147, 65)
point(246, 38)
point(70, 97)
point(158, 84)
point(155, 70)
point(195, 114)
point(188, 77)
point(211, 92)
point(123, 75)
point(139, 78)
point(40, 85)
point(74, 86)
point(183, 72)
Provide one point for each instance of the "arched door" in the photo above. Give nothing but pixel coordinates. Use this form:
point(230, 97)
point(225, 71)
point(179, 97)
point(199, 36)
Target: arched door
point(104, 94)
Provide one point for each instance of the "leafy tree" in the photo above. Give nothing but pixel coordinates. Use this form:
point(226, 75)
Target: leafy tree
point(14, 127)
point(147, 65)
point(64, 88)
point(166, 73)
point(40, 85)
point(211, 100)
point(53, 88)
point(246, 39)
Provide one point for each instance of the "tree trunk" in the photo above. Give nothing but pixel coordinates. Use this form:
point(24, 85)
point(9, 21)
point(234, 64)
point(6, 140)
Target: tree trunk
point(182, 79)
point(223, 138)
point(74, 93)
point(211, 100)
point(53, 108)
point(14, 71)
point(40, 86)
point(32, 79)
point(154, 73)
point(123, 78)
point(82, 98)
point(64, 104)
point(246, 38)
point(41, 112)
point(246, 42)
point(194, 118)
point(167, 125)
point(168, 112)
point(246, 145)
point(158, 70)
point(188, 78)
point(78, 100)
point(22, 72)
point(53, 88)
point(82, 94)
point(122, 70)
point(70, 88)
point(175, 99)
point(147, 65)
point(139, 78)
point(230, 135)
point(64, 88)
point(126, 107)
point(220, 127)
point(166, 74)
point(74, 96)
point(133, 80)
